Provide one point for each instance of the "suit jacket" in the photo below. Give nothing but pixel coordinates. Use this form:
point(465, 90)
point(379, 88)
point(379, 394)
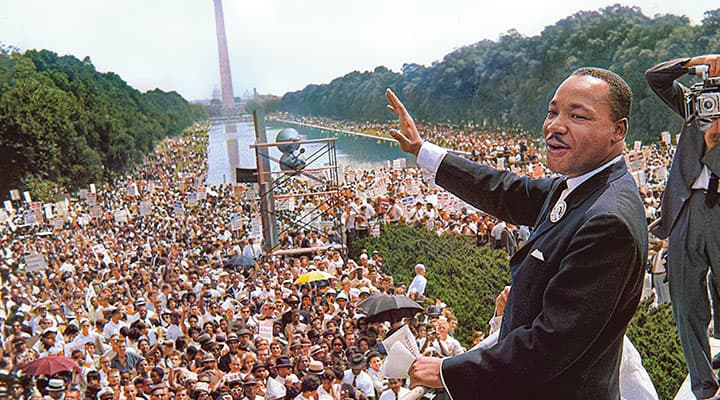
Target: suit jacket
point(689, 155)
point(575, 285)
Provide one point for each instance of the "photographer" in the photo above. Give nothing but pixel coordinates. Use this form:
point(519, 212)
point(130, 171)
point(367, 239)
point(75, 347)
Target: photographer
point(690, 216)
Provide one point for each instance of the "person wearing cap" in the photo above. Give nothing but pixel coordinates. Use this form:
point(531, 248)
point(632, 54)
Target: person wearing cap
point(48, 345)
point(233, 342)
point(356, 376)
point(416, 290)
point(284, 372)
point(55, 389)
point(309, 388)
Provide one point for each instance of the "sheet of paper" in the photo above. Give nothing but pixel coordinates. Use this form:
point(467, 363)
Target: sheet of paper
point(404, 336)
point(398, 362)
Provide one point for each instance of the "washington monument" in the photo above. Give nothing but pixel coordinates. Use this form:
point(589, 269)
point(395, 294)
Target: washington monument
point(228, 100)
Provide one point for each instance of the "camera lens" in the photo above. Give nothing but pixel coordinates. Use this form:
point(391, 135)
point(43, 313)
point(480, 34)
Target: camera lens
point(708, 105)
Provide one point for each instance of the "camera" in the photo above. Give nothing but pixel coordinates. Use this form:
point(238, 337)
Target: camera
point(703, 98)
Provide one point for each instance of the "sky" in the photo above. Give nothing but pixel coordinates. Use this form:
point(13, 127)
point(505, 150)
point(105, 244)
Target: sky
point(278, 46)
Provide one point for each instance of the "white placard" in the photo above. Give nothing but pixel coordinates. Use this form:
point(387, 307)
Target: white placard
point(29, 218)
point(178, 209)
point(8, 206)
point(192, 199)
point(256, 227)
point(92, 188)
point(265, 329)
point(96, 212)
point(83, 194)
point(145, 208)
point(399, 163)
point(637, 145)
point(28, 198)
point(35, 262)
point(666, 137)
point(121, 216)
point(58, 223)
point(3, 216)
point(15, 195)
point(61, 208)
point(132, 190)
point(236, 222)
point(48, 211)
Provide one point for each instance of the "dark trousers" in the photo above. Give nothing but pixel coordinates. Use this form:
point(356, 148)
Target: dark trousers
point(690, 254)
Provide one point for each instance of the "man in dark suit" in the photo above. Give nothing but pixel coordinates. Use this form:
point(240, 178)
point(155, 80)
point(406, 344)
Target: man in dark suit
point(577, 281)
point(690, 218)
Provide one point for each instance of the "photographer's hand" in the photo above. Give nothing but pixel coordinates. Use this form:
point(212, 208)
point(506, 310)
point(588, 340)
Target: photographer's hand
point(712, 135)
point(408, 136)
point(711, 60)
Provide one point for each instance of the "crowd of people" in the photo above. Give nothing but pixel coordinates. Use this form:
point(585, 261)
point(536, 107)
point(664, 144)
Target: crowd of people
point(138, 280)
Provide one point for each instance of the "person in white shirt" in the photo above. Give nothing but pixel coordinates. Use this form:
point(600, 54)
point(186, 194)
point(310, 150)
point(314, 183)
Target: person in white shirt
point(113, 326)
point(252, 250)
point(417, 286)
point(396, 390)
point(356, 376)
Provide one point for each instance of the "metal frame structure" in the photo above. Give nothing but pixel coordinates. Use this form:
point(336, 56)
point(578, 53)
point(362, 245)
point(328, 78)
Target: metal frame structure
point(272, 181)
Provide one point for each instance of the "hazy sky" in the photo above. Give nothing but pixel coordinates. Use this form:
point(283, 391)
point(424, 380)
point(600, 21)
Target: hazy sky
point(278, 46)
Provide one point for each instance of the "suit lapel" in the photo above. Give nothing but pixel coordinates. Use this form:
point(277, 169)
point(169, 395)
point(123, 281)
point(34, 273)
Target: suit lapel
point(577, 196)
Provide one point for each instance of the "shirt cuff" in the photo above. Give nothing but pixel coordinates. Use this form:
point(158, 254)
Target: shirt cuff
point(430, 156)
point(442, 378)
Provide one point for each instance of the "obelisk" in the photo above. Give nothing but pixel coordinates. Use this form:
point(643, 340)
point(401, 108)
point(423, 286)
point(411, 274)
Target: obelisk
point(228, 100)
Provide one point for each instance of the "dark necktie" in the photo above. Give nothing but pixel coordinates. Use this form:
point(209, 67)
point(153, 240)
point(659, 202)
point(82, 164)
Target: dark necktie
point(711, 197)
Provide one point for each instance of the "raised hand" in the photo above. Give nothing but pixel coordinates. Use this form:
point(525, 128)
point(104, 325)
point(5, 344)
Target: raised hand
point(408, 136)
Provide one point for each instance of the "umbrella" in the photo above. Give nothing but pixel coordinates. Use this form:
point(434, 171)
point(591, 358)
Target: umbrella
point(242, 261)
point(312, 276)
point(383, 307)
point(49, 366)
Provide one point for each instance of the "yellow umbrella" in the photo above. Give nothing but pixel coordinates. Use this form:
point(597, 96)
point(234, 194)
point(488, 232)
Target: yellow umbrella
point(312, 276)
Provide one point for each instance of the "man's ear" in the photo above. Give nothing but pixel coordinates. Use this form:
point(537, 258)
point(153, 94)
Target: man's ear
point(620, 130)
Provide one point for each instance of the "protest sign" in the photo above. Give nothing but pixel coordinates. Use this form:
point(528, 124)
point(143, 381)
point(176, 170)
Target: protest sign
point(178, 209)
point(48, 211)
point(15, 195)
point(61, 208)
point(35, 262)
point(3, 216)
point(399, 163)
point(121, 216)
point(256, 227)
point(83, 194)
point(28, 198)
point(29, 218)
point(265, 329)
point(92, 188)
point(96, 212)
point(132, 190)
point(666, 138)
point(192, 199)
point(58, 223)
point(236, 222)
point(145, 208)
point(8, 206)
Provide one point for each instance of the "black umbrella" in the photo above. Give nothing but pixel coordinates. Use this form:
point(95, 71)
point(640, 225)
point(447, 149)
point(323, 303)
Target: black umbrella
point(383, 307)
point(242, 261)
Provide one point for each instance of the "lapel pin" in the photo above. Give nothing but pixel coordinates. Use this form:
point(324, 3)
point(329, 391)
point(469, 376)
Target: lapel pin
point(558, 211)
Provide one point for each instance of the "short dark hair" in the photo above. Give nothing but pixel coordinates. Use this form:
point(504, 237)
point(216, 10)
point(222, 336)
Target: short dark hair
point(620, 92)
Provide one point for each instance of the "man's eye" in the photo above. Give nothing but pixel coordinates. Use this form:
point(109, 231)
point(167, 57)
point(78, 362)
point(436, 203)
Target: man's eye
point(551, 113)
point(576, 116)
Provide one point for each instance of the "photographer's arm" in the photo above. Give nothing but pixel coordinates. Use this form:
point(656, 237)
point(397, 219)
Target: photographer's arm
point(662, 80)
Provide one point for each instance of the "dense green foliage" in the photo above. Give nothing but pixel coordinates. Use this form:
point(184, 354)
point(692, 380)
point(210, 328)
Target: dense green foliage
point(468, 278)
point(461, 274)
point(63, 124)
point(654, 334)
point(507, 84)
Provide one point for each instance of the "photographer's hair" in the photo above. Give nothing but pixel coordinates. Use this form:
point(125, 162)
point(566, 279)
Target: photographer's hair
point(620, 93)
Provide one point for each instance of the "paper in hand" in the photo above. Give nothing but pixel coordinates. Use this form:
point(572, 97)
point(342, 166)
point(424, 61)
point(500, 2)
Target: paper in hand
point(398, 362)
point(406, 338)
